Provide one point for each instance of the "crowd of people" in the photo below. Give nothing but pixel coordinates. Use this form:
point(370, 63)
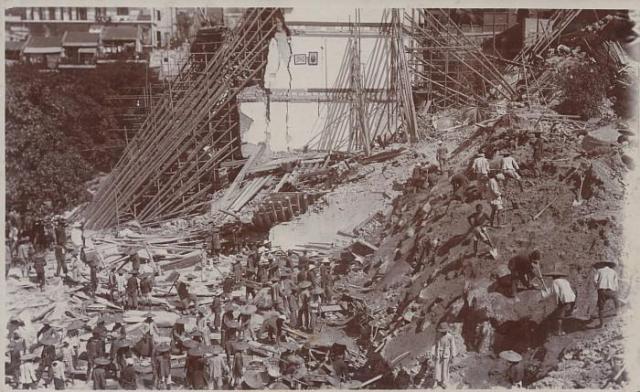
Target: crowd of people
point(287, 289)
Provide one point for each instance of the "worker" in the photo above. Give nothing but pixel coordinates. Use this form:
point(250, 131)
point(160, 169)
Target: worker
point(538, 152)
point(93, 278)
point(303, 261)
point(565, 297)
point(495, 200)
point(113, 285)
point(304, 299)
point(93, 352)
point(515, 371)
point(185, 297)
point(61, 265)
point(28, 371)
point(67, 359)
point(606, 280)
point(480, 166)
point(133, 290)
point(99, 376)
point(263, 269)
point(326, 279)
point(273, 327)
point(60, 231)
point(236, 269)
point(237, 369)
point(146, 287)
point(304, 274)
point(17, 347)
point(285, 290)
point(510, 168)
point(244, 323)
point(523, 269)
point(215, 242)
point(196, 369)
point(59, 378)
point(45, 332)
point(178, 336)
point(47, 357)
point(162, 359)
point(478, 221)
point(25, 255)
point(128, 378)
point(216, 311)
point(294, 305)
point(218, 368)
point(134, 259)
point(315, 305)
point(442, 353)
point(442, 155)
point(39, 263)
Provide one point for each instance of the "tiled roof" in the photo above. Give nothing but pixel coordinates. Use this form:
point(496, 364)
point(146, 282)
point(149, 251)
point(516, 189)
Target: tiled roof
point(80, 38)
point(120, 33)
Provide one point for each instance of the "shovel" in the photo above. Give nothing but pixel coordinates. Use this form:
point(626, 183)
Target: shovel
point(545, 291)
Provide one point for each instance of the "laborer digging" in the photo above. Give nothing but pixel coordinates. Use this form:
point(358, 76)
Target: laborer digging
point(25, 255)
point(524, 268)
point(442, 353)
point(606, 280)
point(478, 221)
point(565, 297)
point(515, 371)
point(510, 168)
point(442, 155)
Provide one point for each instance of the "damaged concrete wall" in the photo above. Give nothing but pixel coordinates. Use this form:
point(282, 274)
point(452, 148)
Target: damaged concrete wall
point(285, 126)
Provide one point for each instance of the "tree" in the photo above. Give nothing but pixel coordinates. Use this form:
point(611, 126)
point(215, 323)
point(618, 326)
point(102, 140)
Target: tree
point(59, 132)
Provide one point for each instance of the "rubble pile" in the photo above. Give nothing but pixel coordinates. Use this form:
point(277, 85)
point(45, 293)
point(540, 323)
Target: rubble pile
point(349, 270)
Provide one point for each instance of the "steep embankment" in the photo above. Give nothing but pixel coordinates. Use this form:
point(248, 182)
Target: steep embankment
point(462, 289)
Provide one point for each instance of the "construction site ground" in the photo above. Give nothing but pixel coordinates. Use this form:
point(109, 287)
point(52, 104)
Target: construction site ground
point(403, 307)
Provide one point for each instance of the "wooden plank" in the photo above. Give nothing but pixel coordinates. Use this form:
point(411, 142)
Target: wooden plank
point(243, 172)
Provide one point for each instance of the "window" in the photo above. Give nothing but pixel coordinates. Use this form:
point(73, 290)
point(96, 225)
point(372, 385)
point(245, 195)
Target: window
point(52, 13)
point(158, 39)
point(82, 13)
point(122, 11)
point(41, 13)
point(70, 13)
point(158, 16)
point(31, 16)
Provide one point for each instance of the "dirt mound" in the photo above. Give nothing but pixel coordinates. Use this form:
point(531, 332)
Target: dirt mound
point(569, 211)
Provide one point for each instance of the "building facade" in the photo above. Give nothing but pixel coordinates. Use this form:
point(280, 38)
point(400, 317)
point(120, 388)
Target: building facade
point(155, 26)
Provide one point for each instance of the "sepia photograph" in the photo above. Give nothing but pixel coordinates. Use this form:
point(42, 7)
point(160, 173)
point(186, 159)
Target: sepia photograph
point(218, 198)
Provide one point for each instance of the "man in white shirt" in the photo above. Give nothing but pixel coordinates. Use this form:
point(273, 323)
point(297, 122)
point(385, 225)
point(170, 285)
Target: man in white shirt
point(495, 200)
point(480, 166)
point(606, 279)
point(565, 297)
point(510, 168)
